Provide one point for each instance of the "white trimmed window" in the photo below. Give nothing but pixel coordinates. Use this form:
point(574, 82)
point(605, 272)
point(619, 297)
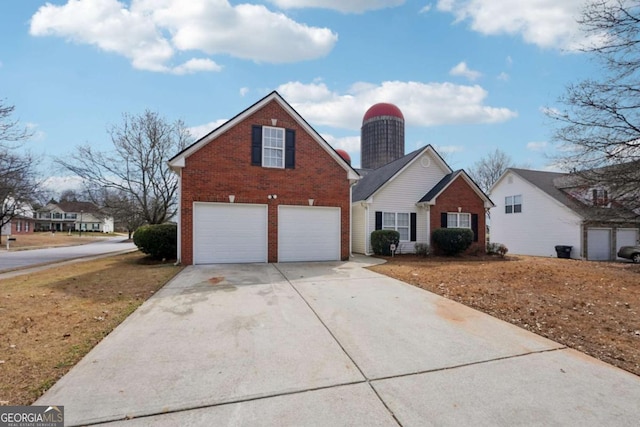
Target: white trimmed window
point(272, 147)
point(513, 204)
point(458, 220)
point(397, 221)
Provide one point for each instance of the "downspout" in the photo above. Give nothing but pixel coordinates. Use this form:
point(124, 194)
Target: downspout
point(351, 221)
point(366, 229)
point(179, 245)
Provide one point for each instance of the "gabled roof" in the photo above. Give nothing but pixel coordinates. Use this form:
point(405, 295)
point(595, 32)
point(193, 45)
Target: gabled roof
point(373, 180)
point(551, 184)
point(73, 207)
point(444, 183)
point(178, 161)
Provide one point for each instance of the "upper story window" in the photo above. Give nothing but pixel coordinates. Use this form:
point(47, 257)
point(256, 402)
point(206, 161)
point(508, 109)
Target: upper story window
point(458, 220)
point(513, 204)
point(272, 147)
point(600, 197)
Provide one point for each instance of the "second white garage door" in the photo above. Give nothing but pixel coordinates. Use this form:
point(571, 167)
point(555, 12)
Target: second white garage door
point(229, 233)
point(308, 233)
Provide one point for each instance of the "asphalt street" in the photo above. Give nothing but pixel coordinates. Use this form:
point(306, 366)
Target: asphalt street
point(13, 260)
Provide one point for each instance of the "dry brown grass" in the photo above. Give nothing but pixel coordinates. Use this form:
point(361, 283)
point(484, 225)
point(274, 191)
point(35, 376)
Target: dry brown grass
point(50, 319)
point(49, 240)
point(593, 307)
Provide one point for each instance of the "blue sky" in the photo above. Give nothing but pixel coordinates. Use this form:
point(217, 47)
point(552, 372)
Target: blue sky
point(470, 76)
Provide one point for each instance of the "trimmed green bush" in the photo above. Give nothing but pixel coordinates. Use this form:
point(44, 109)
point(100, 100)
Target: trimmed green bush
point(452, 241)
point(381, 240)
point(160, 241)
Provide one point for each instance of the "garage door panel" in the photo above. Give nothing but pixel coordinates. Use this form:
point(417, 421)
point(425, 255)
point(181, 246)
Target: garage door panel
point(308, 234)
point(229, 233)
point(599, 244)
point(626, 237)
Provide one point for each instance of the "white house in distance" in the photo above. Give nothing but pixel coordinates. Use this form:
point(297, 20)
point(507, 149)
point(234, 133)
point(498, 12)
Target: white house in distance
point(66, 216)
point(537, 210)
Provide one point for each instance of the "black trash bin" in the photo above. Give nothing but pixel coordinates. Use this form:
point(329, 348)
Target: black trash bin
point(563, 251)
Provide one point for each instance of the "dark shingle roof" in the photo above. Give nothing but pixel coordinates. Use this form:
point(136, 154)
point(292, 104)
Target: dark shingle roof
point(552, 182)
point(440, 186)
point(373, 180)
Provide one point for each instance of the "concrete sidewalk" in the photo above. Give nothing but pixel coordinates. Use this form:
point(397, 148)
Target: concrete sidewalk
point(331, 344)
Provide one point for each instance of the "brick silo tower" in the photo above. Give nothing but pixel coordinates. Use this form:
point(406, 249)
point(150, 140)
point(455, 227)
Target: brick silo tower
point(382, 136)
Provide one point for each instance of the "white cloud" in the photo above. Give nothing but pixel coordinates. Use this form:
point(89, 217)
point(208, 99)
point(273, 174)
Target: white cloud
point(151, 33)
point(351, 144)
point(195, 65)
point(504, 77)
point(509, 60)
point(57, 184)
point(426, 9)
point(462, 69)
point(347, 6)
point(199, 131)
point(36, 134)
point(448, 149)
point(537, 146)
point(244, 91)
point(422, 104)
point(545, 23)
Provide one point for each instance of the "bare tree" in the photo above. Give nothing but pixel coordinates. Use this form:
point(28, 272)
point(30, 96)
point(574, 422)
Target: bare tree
point(10, 129)
point(600, 118)
point(486, 171)
point(121, 206)
point(137, 166)
point(18, 181)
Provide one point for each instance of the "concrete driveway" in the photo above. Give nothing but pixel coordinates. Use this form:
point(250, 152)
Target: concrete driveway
point(331, 344)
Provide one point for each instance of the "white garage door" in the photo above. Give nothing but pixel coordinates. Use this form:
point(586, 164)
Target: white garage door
point(626, 237)
point(227, 233)
point(599, 244)
point(308, 233)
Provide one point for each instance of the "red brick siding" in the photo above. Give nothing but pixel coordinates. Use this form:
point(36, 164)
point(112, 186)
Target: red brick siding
point(460, 194)
point(23, 223)
point(223, 167)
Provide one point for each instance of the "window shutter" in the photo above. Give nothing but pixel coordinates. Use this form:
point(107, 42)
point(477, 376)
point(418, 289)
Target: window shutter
point(443, 220)
point(474, 226)
point(256, 145)
point(378, 220)
point(413, 227)
point(290, 149)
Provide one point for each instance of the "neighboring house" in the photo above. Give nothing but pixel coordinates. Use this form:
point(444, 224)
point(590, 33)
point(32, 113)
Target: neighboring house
point(539, 210)
point(22, 221)
point(263, 187)
point(73, 216)
point(415, 195)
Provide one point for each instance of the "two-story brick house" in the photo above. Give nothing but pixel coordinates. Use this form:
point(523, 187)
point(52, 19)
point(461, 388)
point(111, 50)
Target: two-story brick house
point(263, 187)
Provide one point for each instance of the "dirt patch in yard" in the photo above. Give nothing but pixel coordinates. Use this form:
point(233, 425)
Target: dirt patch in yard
point(50, 319)
point(593, 307)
